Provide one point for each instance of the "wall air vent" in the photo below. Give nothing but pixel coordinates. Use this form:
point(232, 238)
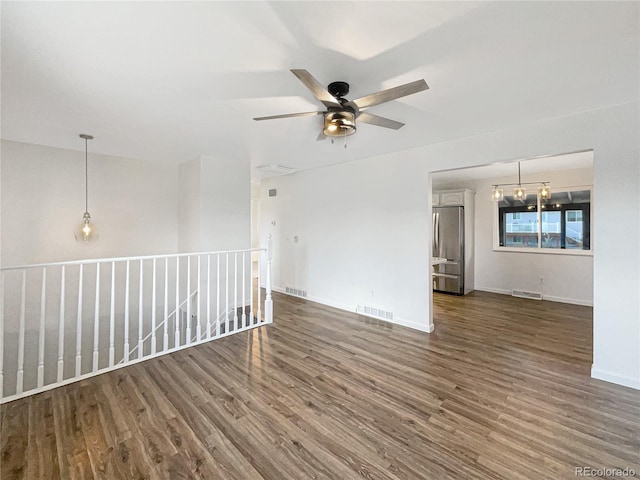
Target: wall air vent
point(296, 292)
point(525, 294)
point(277, 169)
point(374, 312)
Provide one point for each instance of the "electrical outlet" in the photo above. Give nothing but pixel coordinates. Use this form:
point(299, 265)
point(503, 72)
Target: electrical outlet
point(540, 280)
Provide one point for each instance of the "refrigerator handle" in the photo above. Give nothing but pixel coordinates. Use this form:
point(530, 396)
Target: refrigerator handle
point(433, 234)
point(437, 234)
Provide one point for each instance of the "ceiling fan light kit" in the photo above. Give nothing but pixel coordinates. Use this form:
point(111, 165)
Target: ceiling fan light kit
point(339, 124)
point(339, 120)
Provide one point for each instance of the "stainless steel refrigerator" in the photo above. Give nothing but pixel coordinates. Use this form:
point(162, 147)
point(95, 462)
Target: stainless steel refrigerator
point(448, 250)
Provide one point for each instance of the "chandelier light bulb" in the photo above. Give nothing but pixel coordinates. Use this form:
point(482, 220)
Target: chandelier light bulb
point(520, 193)
point(544, 192)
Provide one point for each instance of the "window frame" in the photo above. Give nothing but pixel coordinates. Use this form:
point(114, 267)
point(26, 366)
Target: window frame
point(498, 225)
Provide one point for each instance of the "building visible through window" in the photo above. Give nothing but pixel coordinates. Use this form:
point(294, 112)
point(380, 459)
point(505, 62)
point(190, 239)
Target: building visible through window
point(561, 221)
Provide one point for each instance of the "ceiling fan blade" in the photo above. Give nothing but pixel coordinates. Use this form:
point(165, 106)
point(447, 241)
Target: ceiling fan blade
point(391, 94)
point(321, 136)
point(316, 88)
point(287, 115)
point(372, 119)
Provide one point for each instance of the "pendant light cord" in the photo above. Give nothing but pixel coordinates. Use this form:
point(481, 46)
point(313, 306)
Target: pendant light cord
point(86, 178)
point(519, 179)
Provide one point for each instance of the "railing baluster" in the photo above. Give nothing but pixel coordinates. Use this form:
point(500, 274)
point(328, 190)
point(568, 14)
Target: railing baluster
point(251, 290)
point(112, 316)
point(79, 324)
point(96, 321)
point(233, 313)
point(188, 329)
point(60, 375)
point(140, 310)
point(43, 302)
point(218, 296)
point(268, 302)
point(1, 335)
point(165, 333)
point(126, 315)
point(226, 291)
point(198, 323)
point(20, 374)
point(153, 310)
point(244, 316)
point(235, 291)
point(208, 297)
point(259, 316)
point(176, 316)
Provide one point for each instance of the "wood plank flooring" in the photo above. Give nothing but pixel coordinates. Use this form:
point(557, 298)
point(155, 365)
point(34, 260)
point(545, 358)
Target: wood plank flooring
point(500, 390)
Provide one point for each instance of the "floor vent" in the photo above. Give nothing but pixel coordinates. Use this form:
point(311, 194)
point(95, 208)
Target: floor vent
point(374, 312)
point(525, 294)
point(297, 292)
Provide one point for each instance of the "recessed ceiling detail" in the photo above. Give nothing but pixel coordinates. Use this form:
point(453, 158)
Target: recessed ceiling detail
point(111, 68)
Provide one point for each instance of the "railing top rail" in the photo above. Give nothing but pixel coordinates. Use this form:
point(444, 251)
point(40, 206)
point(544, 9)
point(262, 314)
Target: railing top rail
point(123, 259)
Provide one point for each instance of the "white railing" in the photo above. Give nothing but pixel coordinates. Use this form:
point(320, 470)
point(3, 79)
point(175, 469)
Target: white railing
point(547, 227)
point(126, 310)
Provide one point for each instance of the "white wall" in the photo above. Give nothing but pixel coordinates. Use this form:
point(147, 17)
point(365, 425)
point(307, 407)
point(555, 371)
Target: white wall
point(361, 236)
point(134, 204)
point(225, 204)
point(567, 278)
point(189, 206)
point(214, 205)
point(364, 226)
point(255, 215)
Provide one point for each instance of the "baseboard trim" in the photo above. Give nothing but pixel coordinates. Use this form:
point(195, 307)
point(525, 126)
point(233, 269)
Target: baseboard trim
point(550, 298)
point(348, 308)
point(615, 378)
point(572, 301)
point(493, 290)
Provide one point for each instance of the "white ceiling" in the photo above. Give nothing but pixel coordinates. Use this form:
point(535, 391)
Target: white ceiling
point(168, 81)
point(551, 163)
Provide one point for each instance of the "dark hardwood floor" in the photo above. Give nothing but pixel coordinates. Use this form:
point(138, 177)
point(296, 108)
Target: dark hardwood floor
point(500, 390)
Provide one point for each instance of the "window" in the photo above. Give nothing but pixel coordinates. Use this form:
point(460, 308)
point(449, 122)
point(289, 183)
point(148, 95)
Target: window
point(560, 222)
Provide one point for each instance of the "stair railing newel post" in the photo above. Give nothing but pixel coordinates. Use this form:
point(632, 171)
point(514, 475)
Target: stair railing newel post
point(268, 302)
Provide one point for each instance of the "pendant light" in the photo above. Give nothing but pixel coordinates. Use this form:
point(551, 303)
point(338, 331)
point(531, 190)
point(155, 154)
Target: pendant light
point(87, 231)
point(544, 191)
point(497, 194)
point(520, 192)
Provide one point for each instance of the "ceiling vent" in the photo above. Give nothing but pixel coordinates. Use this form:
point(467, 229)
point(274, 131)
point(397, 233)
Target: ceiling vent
point(277, 169)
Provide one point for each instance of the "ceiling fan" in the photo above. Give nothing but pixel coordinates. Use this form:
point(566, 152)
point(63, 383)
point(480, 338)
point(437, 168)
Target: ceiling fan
point(341, 114)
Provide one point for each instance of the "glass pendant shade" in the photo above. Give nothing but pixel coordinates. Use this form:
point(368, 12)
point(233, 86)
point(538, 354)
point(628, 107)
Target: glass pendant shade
point(87, 231)
point(339, 124)
point(497, 194)
point(544, 192)
point(520, 193)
